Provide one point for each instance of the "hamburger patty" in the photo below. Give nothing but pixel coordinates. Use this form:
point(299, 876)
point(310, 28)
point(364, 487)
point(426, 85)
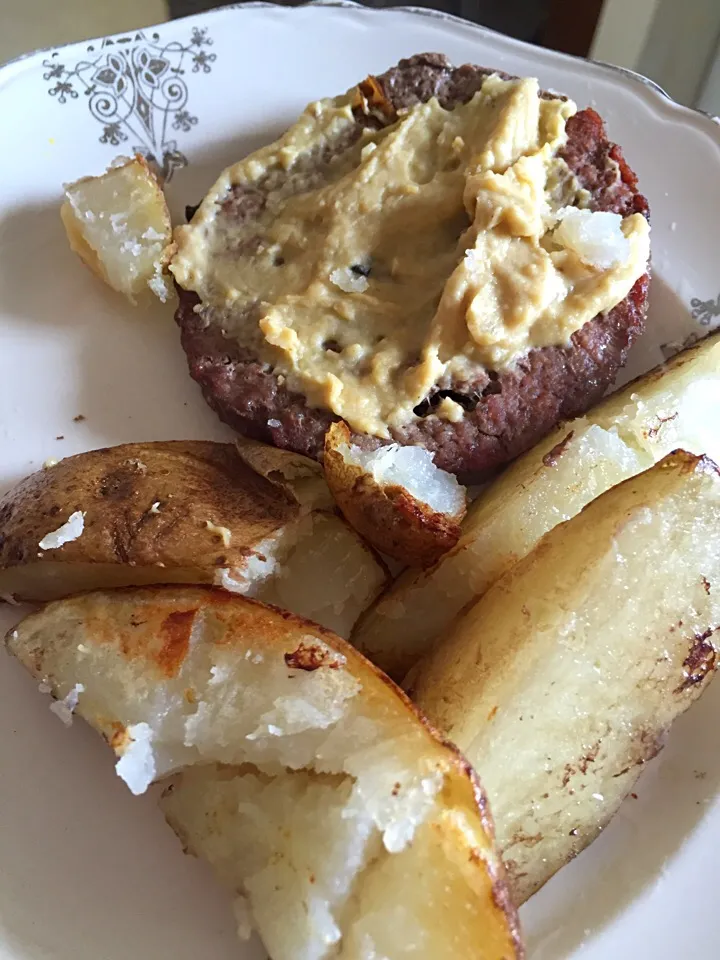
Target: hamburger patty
point(505, 412)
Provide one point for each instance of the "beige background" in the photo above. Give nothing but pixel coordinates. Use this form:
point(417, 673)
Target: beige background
point(30, 24)
point(676, 42)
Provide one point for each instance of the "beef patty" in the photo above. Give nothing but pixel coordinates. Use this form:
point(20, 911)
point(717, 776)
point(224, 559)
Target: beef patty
point(505, 412)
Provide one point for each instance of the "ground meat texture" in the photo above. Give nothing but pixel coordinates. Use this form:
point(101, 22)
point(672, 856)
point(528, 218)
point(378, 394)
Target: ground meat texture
point(505, 412)
point(245, 393)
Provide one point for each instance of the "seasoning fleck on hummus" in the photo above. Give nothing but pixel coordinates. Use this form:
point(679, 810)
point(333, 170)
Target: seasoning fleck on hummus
point(420, 252)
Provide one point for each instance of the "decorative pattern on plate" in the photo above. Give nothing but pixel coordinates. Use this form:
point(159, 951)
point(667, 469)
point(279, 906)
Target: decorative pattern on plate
point(707, 314)
point(137, 90)
point(705, 311)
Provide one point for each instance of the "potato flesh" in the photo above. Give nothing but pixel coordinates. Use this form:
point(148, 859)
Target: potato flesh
point(413, 469)
point(388, 506)
point(503, 528)
point(627, 433)
point(287, 774)
point(673, 416)
point(318, 569)
point(330, 576)
point(566, 676)
point(239, 821)
point(325, 572)
point(119, 225)
point(428, 921)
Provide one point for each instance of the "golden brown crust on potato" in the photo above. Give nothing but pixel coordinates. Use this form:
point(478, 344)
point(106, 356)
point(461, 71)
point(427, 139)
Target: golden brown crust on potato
point(388, 517)
point(130, 650)
point(187, 512)
point(565, 678)
point(129, 192)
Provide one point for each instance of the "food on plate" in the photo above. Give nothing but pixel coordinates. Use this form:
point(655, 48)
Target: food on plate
point(296, 475)
point(395, 497)
point(119, 225)
point(564, 679)
point(343, 824)
point(628, 432)
point(185, 511)
point(444, 257)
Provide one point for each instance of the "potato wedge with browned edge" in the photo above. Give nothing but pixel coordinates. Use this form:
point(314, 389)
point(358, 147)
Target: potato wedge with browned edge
point(188, 512)
point(343, 824)
point(668, 408)
point(395, 497)
point(118, 223)
point(564, 679)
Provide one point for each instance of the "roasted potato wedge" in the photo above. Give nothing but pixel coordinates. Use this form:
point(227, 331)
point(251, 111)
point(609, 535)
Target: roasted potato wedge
point(627, 433)
point(564, 679)
point(346, 827)
point(300, 477)
point(183, 511)
point(395, 497)
point(119, 226)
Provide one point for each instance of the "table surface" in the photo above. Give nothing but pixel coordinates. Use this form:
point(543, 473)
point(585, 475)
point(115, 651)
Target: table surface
point(35, 24)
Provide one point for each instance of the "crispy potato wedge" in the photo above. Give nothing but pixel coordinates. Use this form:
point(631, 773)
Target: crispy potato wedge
point(325, 802)
point(564, 679)
point(189, 512)
point(299, 476)
point(119, 226)
point(627, 433)
point(395, 497)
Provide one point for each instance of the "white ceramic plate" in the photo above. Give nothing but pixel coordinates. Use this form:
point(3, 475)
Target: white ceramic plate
point(86, 871)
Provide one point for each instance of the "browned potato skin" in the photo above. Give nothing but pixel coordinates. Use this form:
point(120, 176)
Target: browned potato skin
point(584, 735)
point(388, 517)
point(192, 482)
point(278, 466)
point(299, 477)
point(146, 632)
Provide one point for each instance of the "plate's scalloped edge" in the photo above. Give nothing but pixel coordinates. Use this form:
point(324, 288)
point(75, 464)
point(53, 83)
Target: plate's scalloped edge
point(624, 72)
point(135, 87)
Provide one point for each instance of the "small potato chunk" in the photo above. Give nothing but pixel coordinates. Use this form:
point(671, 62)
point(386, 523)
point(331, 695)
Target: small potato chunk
point(564, 679)
point(119, 225)
point(343, 824)
point(395, 497)
point(628, 432)
point(185, 512)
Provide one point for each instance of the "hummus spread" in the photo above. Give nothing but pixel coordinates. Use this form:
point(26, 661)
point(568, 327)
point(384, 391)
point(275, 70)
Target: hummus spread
point(378, 264)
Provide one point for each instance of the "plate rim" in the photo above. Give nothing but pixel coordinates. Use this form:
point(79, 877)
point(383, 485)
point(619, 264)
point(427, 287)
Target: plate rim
point(626, 73)
point(632, 85)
